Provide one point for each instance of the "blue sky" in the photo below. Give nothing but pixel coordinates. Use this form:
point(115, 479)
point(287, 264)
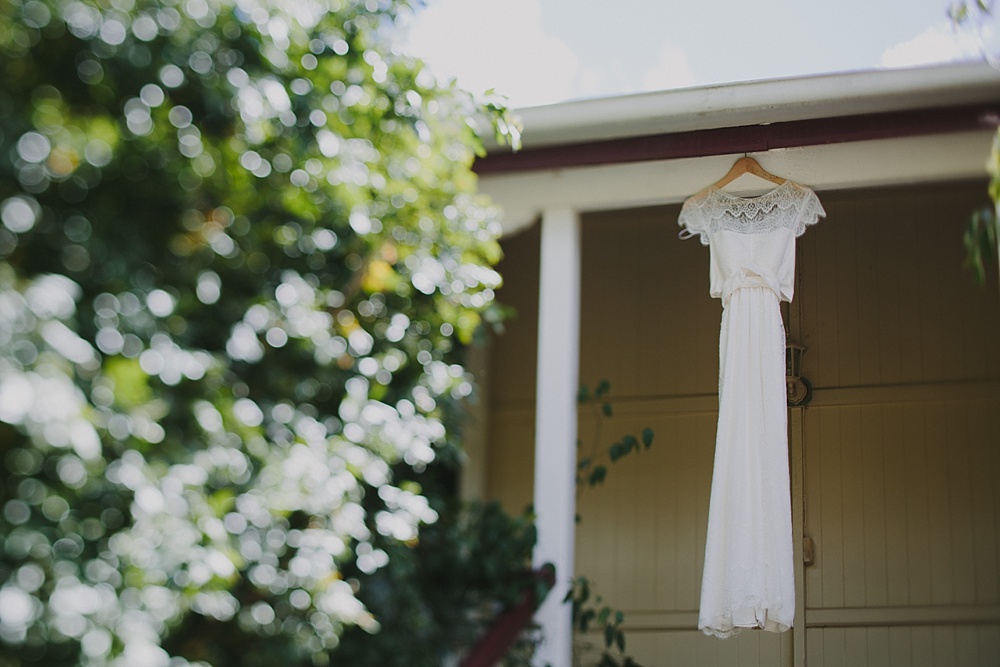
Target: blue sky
point(545, 51)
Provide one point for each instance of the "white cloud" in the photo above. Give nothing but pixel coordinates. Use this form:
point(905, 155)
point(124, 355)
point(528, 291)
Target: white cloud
point(938, 44)
point(500, 45)
point(670, 69)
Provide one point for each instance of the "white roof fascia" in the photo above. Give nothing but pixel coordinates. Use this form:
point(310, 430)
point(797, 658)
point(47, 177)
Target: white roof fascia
point(757, 102)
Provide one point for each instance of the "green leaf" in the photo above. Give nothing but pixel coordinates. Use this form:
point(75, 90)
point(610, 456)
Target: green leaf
point(609, 635)
point(620, 640)
point(583, 464)
point(630, 443)
point(647, 437)
point(980, 242)
point(597, 475)
point(602, 388)
point(606, 409)
point(616, 451)
point(583, 395)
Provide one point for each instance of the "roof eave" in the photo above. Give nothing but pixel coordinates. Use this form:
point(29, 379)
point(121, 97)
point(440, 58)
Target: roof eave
point(757, 102)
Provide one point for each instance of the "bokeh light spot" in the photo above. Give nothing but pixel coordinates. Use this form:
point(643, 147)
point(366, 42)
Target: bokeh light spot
point(19, 213)
point(33, 147)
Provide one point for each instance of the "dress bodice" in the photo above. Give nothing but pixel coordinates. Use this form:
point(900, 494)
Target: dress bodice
point(752, 239)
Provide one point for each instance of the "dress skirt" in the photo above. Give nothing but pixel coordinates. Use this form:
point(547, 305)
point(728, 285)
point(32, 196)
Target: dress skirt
point(748, 580)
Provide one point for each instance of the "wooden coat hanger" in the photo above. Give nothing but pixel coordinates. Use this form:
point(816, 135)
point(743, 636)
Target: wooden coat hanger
point(747, 165)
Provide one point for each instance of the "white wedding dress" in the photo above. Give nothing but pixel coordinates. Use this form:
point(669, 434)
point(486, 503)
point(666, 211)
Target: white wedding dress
point(748, 579)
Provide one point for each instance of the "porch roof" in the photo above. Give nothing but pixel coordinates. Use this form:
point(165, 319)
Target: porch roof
point(830, 131)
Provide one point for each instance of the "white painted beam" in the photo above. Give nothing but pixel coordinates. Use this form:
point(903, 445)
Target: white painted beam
point(555, 424)
point(943, 157)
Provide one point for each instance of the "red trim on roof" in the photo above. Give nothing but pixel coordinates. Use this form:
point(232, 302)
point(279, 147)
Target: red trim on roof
point(745, 139)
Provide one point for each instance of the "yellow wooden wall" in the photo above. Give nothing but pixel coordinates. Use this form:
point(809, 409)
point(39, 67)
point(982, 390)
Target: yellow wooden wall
point(898, 455)
point(901, 447)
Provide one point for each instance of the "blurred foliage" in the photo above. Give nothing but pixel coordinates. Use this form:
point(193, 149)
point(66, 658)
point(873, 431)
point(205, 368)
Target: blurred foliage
point(964, 12)
point(590, 612)
point(240, 254)
point(982, 230)
point(590, 468)
point(474, 562)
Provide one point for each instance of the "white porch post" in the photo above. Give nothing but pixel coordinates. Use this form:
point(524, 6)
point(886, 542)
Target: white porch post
point(555, 424)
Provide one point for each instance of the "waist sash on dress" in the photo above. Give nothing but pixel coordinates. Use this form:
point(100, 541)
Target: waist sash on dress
point(749, 275)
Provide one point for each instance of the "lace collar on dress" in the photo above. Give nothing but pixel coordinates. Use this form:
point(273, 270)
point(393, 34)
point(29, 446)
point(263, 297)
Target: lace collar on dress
point(788, 205)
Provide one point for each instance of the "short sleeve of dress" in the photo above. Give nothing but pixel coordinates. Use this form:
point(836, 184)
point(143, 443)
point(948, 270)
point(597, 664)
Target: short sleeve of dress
point(693, 219)
point(810, 212)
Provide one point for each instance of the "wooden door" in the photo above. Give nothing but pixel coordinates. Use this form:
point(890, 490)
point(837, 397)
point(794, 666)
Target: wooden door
point(901, 445)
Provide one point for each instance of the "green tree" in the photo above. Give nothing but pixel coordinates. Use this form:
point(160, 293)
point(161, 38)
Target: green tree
point(240, 253)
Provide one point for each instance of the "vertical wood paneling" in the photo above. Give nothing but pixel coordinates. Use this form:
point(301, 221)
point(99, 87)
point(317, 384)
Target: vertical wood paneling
point(822, 338)
point(933, 313)
point(900, 648)
point(896, 450)
point(945, 645)
point(870, 314)
point(831, 522)
point(846, 295)
point(966, 646)
point(856, 647)
point(922, 641)
point(941, 506)
point(668, 562)
point(649, 326)
point(989, 645)
point(884, 298)
point(964, 542)
point(814, 646)
point(902, 504)
point(914, 463)
point(872, 473)
point(812, 525)
point(907, 646)
point(621, 544)
point(902, 498)
point(909, 259)
point(984, 464)
point(693, 649)
point(853, 506)
point(877, 644)
point(835, 647)
point(890, 285)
